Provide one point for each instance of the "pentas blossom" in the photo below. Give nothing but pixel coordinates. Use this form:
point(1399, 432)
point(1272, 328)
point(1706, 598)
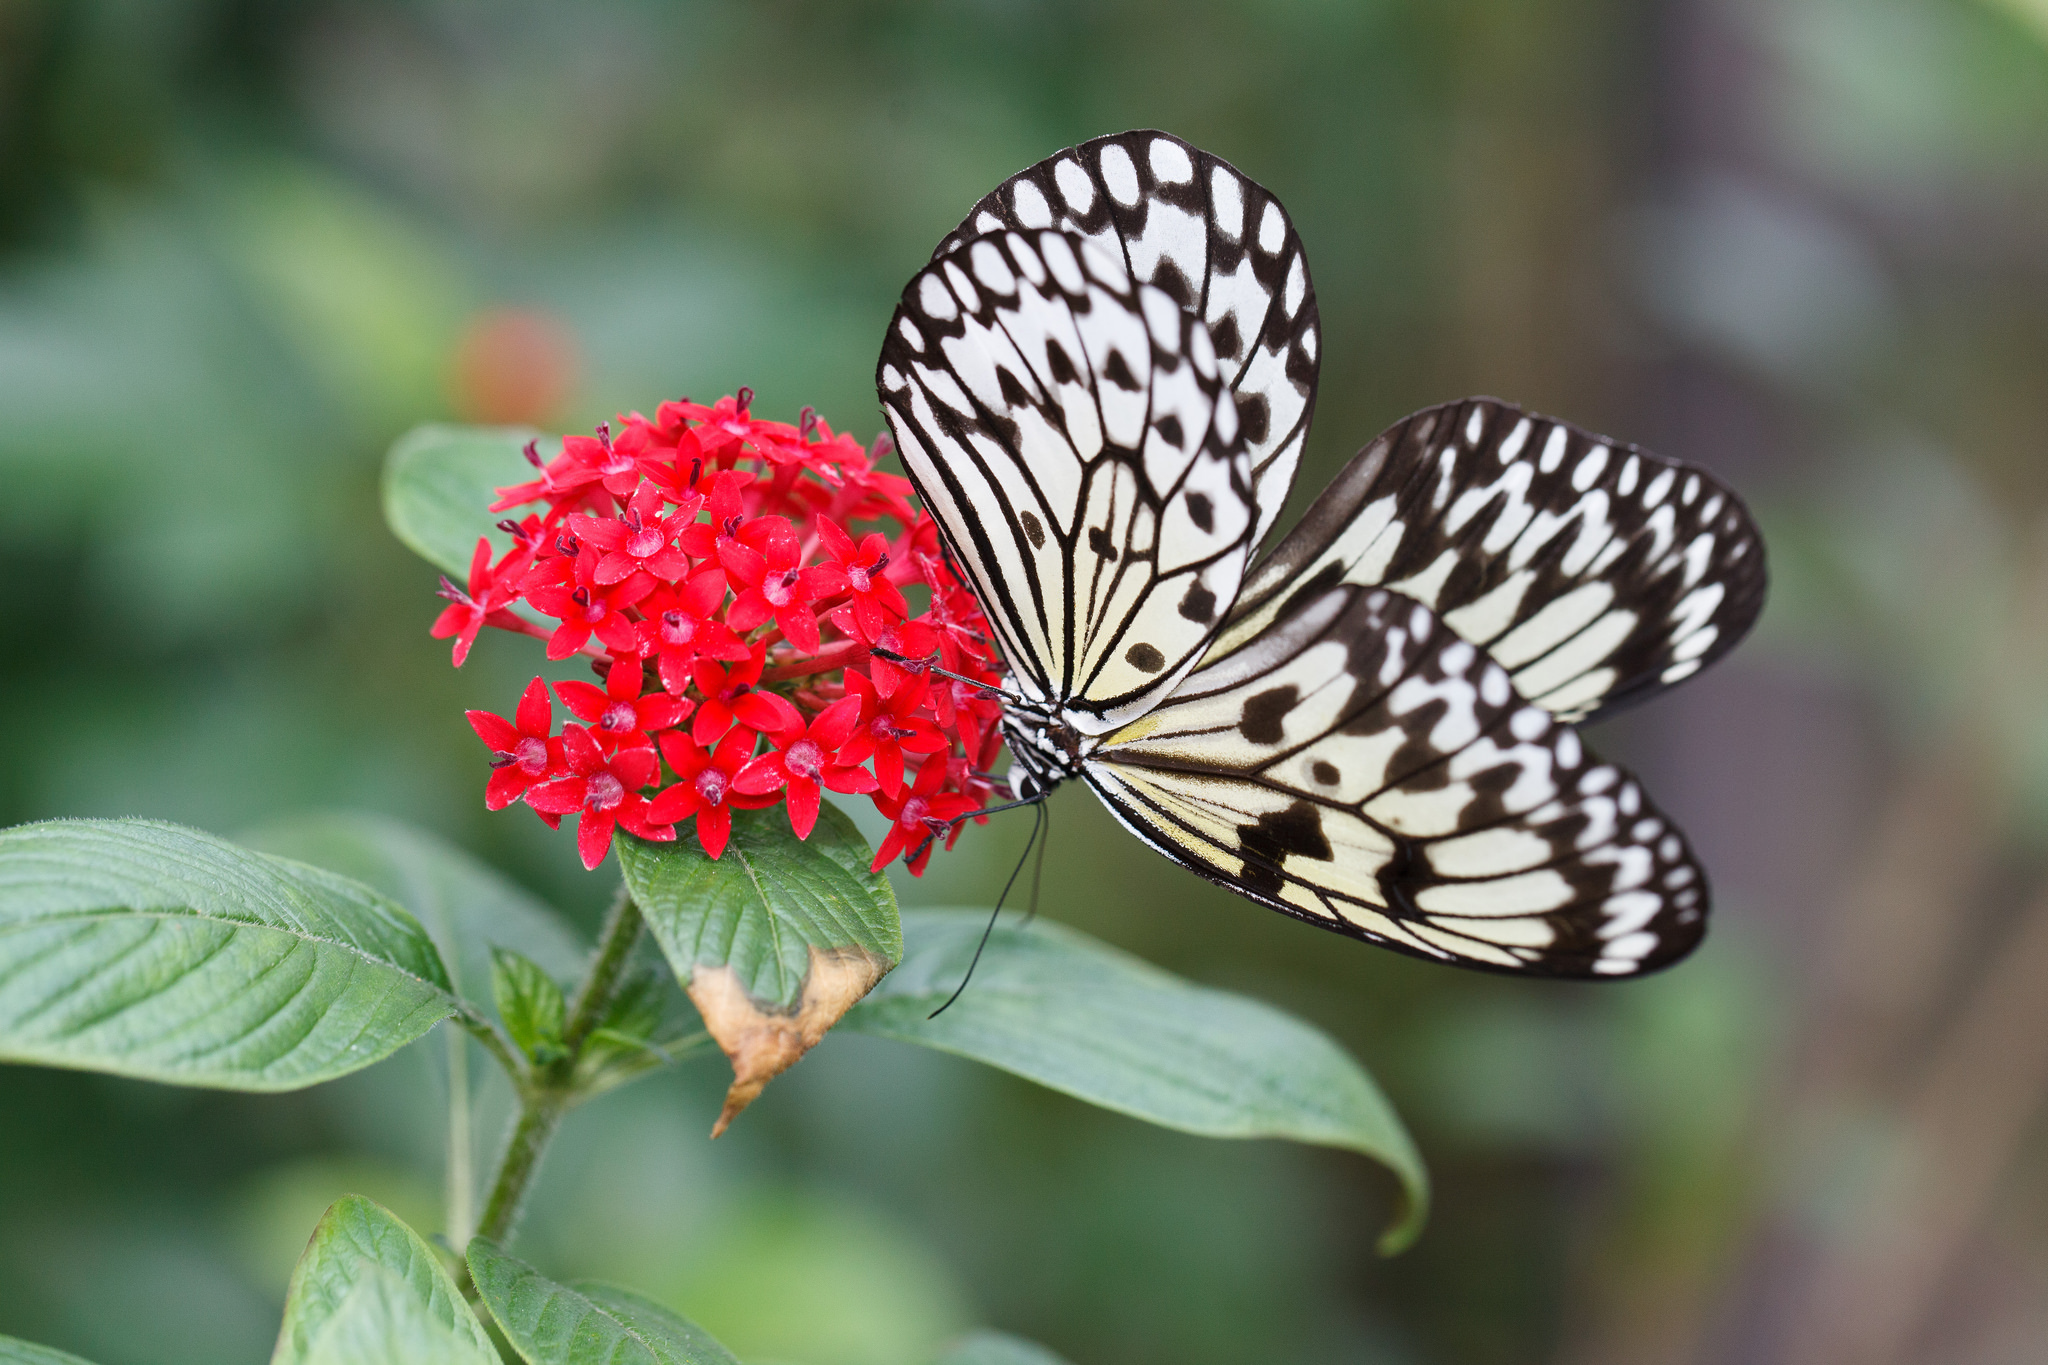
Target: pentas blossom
point(738, 586)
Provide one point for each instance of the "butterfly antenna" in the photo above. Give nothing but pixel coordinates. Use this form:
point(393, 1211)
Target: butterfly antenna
point(927, 666)
point(1038, 868)
point(1037, 824)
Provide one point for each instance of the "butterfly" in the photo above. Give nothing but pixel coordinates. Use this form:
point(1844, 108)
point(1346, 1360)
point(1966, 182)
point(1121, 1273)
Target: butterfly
point(1100, 386)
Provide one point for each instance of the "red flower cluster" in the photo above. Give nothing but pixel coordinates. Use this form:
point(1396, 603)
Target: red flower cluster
point(744, 633)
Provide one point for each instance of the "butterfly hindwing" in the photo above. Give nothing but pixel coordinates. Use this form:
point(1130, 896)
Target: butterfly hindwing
point(1215, 241)
point(1070, 430)
point(1359, 765)
point(1596, 572)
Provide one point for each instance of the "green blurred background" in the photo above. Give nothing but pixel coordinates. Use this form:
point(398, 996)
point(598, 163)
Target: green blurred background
point(1803, 242)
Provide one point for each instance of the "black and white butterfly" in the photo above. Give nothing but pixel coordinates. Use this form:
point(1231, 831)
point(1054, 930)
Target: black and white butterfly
point(1100, 386)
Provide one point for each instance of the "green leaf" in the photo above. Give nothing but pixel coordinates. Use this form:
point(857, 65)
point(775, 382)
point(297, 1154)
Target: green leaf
point(774, 940)
point(369, 1289)
point(623, 1047)
point(150, 950)
point(13, 1352)
point(767, 903)
point(1059, 1008)
point(637, 1010)
point(468, 907)
point(997, 1348)
point(439, 483)
point(591, 1324)
point(530, 1003)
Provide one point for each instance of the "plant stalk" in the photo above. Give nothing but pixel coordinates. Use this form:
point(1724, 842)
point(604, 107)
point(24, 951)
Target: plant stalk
point(593, 999)
point(547, 1092)
point(461, 1173)
point(539, 1117)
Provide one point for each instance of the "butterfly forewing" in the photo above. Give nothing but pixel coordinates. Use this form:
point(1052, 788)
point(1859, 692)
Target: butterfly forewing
point(1217, 243)
point(1360, 765)
point(1596, 572)
point(1070, 430)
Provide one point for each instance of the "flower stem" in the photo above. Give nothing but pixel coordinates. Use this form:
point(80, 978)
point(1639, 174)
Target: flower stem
point(547, 1092)
point(539, 1116)
point(615, 945)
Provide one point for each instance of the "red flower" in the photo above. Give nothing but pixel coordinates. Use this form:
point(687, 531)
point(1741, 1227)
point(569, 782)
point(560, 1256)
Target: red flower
point(602, 793)
point(876, 602)
point(642, 540)
point(705, 785)
point(491, 590)
point(730, 695)
point(584, 612)
point(727, 425)
point(679, 626)
point(524, 752)
point(584, 461)
point(890, 725)
point(766, 560)
point(703, 561)
point(619, 716)
point(807, 756)
point(918, 817)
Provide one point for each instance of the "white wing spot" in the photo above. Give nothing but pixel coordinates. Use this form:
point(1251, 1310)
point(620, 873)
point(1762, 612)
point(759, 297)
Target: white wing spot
point(1027, 201)
point(1226, 198)
point(1297, 286)
point(962, 286)
point(1553, 450)
point(1629, 472)
point(1119, 174)
point(910, 333)
point(1570, 753)
point(1059, 258)
point(1162, 316)
point(1517, 438)
point(991, 269)
point(1074, 185)
point(936, 299)
point(1170, 162)
point(1029, 263)
point(1475, 425)
point(1272, 229)
point(1589, 468)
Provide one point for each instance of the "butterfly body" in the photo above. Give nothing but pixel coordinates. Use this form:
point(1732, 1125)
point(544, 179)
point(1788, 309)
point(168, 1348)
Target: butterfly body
point(1047, 749)
point(1100, 386)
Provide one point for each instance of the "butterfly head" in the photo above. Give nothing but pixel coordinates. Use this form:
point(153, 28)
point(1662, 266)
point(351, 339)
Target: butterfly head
point(1047, 751)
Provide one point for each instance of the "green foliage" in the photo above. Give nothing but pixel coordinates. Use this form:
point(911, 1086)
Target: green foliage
point(592, 1324)
point(767, 904)
point(438, 481)
point(997, 1348)
point(468, 907)
point(150, 950)
point(369, 1289)
point(530, 1003)
point(14, 1352)
point(1057, 1007)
